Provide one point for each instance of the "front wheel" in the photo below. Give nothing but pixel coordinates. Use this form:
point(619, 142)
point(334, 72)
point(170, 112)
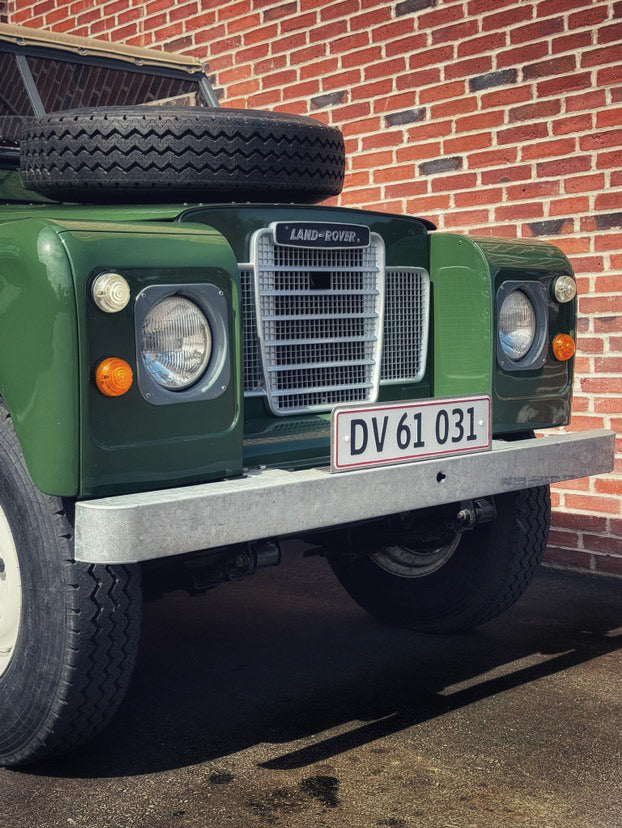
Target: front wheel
point(463, 580)
point(68, 631)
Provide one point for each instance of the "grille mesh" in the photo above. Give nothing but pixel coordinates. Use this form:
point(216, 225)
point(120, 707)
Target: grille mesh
point(405, 325)
point(320, 311)
point(251, 356)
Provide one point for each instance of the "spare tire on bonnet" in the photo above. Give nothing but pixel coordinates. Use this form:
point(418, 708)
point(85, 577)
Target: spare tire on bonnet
point(163, 154)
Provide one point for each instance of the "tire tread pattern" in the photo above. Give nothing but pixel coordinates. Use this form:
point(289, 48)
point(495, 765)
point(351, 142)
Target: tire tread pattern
point(101, 606)
point(164, 153)
point(531, 533)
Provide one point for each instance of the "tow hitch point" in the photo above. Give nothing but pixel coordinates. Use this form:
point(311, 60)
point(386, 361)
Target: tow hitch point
point(473, 512)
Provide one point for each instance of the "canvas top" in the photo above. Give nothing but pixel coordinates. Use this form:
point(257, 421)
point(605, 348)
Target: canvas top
point(23, 36)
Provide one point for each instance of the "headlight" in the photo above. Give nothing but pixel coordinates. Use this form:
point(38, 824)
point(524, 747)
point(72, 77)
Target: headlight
point(176, 342)
point(517, 325)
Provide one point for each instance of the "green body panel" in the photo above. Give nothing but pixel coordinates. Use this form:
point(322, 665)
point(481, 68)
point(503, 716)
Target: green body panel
point(463, 319)
point(541, 398)
point(127, 443)
point(77, 212)
point(79, 442)
point(39, 351)
point(404, 236)
point(466, 274)
point(12, 189)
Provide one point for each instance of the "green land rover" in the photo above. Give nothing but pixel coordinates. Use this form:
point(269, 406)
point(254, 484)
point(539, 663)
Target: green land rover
point(196, 362)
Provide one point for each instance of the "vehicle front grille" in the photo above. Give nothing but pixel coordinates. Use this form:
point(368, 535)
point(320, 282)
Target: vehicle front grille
point(251, 355)
point(312, 324)
point(405, 336)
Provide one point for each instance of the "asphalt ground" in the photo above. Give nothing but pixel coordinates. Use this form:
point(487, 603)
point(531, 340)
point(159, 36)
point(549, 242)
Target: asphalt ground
point(277, 702)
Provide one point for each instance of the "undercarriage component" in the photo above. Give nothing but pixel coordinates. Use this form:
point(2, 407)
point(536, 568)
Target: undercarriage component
point(425, 529)
point(201, 571)
point(473, 512)
point(457, 582)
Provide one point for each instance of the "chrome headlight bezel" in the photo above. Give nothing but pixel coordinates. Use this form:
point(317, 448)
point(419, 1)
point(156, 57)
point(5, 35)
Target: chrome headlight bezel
point(216, 376)
point(535, 356)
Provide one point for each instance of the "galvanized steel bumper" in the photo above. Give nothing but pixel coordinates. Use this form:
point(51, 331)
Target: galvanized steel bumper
point(275, 502)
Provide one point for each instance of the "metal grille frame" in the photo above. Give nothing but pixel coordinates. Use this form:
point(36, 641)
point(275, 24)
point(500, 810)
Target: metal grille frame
point(340, 313)
point(406, 320)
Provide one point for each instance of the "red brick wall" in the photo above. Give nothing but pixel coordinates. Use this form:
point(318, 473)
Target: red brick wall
point(487, 117)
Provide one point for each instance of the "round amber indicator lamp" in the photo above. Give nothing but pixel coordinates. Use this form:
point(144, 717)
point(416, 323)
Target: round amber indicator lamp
point(114, 376)
point(564, 347)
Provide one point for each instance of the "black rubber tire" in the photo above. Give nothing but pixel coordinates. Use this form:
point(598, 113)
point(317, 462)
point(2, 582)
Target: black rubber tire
point(170, 154)
point(491, 568)
point(78, 631)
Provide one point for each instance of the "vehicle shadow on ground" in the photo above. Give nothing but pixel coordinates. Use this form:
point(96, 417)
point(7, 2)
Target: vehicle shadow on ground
point(286, 656)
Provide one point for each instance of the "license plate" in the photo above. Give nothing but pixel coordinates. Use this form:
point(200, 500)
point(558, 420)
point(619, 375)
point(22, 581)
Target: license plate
point(380, 435)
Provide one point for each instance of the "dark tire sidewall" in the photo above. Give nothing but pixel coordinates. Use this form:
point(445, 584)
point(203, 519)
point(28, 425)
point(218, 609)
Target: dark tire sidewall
point(467, 590)
point(28, 686)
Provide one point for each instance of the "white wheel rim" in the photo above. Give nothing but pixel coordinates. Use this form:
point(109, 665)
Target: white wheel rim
point(10, 594)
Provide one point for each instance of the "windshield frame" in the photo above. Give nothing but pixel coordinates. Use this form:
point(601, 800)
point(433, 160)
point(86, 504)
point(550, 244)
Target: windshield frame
point(205, 91)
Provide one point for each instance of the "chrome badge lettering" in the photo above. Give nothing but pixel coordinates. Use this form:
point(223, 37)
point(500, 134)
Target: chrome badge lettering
point(320, 234)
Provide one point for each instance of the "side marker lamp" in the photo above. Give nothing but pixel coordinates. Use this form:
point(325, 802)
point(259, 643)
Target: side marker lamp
point(565, 289)
point(110, 292)
point(114, 376)
point(564, 347)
